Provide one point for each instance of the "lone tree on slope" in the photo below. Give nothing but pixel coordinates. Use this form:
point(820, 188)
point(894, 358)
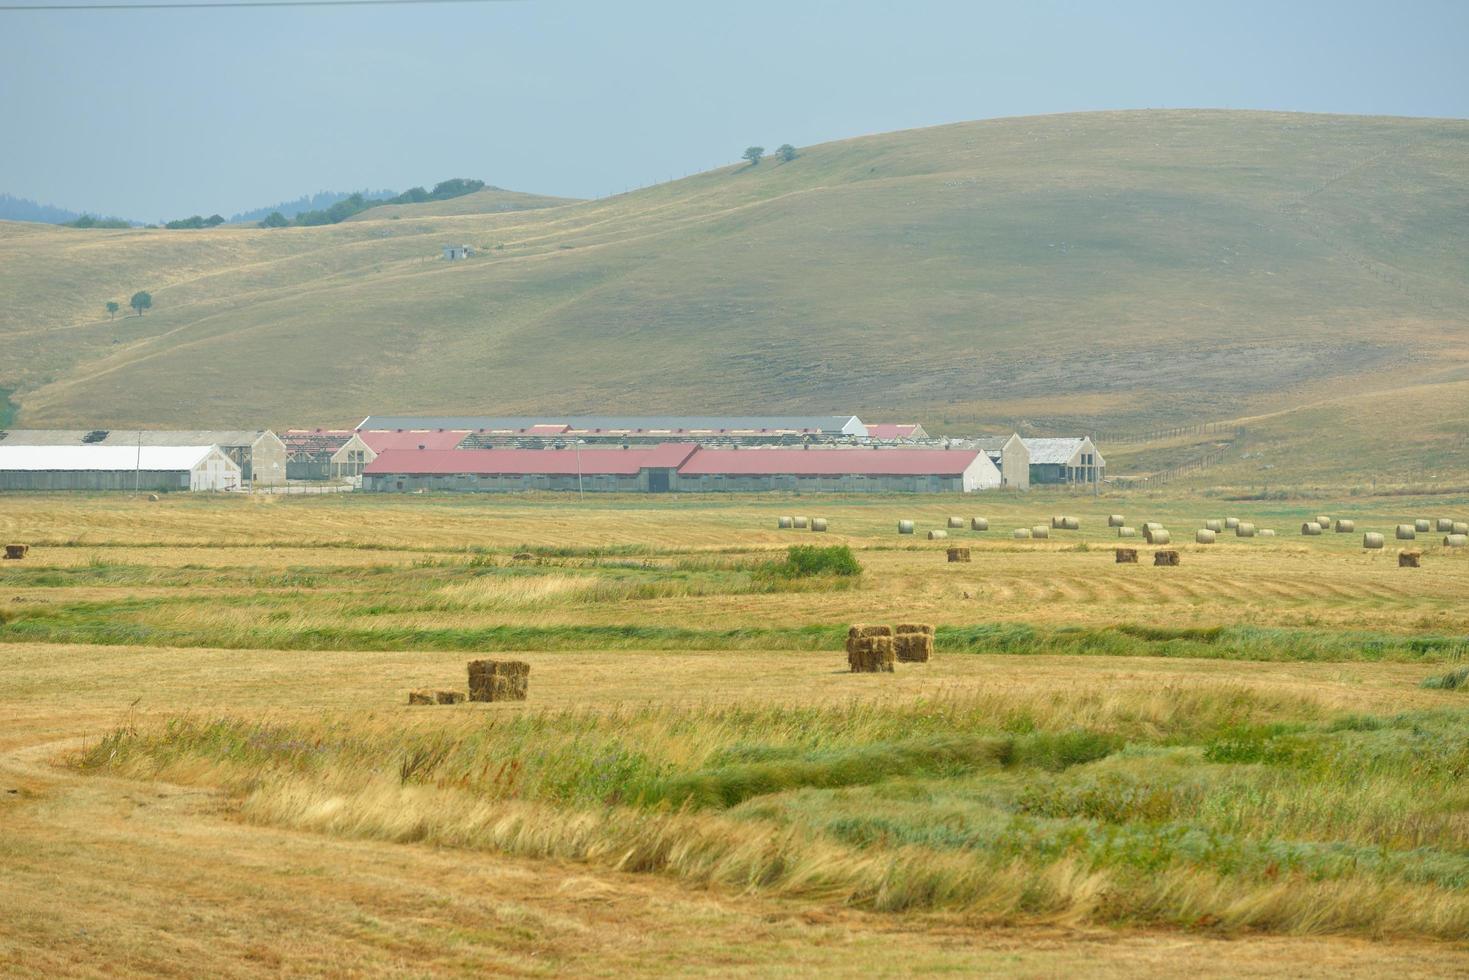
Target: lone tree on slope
point(112, 309)
point(753, 154)
point(141, 301)
point(787, 153)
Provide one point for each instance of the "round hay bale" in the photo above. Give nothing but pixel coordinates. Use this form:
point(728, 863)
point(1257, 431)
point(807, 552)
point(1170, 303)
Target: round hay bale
point(1115, 520)
point(1445, 524)
point(1268, 532)
point(1373, 541)
point(1160, 536)
point(1230, 523)
point(979, 524)
point(1422, 524)
point(1070, 524)
point(152, 498)
point(1203, 536)
point(818, 524)
point(1460, 527)
point(956, 522)
point(1057, 521)
point(1214, 525)
point(785, 522)
point(1345, 527)
point(1324, 521)
point(1040, 531)
point(1021, 532)
point(1244, 530)
point(802, 523)
point(1406, 532)
point(1311, 528)
point(1127, 532)
point(1455, 540)
point(1152, 526)
point(937, 535)
point(905, 527)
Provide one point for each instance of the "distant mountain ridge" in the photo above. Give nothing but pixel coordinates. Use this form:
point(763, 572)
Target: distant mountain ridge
point(14, 208)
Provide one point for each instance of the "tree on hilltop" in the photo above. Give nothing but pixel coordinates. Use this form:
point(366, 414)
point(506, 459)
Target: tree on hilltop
point(787, 153)
point(213, 221)
point(274, 220)
point(753, 154)
point(112, 309)
point(141, 301)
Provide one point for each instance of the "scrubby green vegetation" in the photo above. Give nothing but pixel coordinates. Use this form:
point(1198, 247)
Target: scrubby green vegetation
point(1450, 681)
point(344, 209)
point(1203, 807)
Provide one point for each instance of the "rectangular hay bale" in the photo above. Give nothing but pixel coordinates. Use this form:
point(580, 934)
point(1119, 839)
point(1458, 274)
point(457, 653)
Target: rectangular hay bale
point(958, 554)
point(449, 697)
point(498, 680)
point(420, 697)
point(913, 648)
point(871, 654)
point(1409, 559)
point(1127, 556)
point(1169, 558)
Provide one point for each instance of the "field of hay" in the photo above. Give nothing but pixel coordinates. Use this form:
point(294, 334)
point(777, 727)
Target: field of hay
point(208, 763)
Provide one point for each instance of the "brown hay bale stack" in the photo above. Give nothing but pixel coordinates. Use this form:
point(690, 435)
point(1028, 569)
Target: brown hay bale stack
point(905, 527)
point(1157, 536)
point(1345, 527)
point(1409, 559)
point(1126, 556)
point(1406, 532)
point(1214, 525)
point(1456, 540)
point(913, 628)
point(1230, 523)
point(420, 697)
point(498, 680)
point(1444, 524)
point(1373, 541)
point(1070, 524)
point(871, 654)
point(913, 648)
point(1021, 532)
point(979, 524)
point(1040, 531)
point(1422, 524)
point(1204, 536)
point(801, 523)
point(785, 522)
point(937, 535)
point(1115, 520)
point(859, 631)
point(1244, 530)
point(1127, 532)
point(958, 554)
point(956, 522)
point(1169, 558)
point(449, 697)
point(818, 524)
point(1311, 528)
point(1268, 532)
point(15, 552)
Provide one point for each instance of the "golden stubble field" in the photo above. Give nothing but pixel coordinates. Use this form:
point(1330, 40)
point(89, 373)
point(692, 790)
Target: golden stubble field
point(211, 867)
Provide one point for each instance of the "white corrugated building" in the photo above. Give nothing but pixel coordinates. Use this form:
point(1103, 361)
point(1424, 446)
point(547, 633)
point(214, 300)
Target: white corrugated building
point(117, 468)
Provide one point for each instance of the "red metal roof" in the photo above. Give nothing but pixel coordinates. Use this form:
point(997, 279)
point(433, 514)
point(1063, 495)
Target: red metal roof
point(521, 462)
point(386, 440)
point(829, 462)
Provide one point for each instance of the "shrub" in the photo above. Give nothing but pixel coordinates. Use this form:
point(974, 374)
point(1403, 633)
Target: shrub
point(806, 561)
point(1451, 681)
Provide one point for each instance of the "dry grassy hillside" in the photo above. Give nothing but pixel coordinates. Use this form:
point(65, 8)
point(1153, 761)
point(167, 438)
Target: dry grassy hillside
point(1104, 270)
point(490, 200)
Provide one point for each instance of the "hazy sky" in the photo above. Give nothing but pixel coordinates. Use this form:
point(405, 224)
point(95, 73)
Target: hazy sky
point(160, 114)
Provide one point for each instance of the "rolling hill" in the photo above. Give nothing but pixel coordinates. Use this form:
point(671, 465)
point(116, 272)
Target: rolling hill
point(1120, 271)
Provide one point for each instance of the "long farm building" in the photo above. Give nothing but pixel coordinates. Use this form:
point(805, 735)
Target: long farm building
point(683, 468)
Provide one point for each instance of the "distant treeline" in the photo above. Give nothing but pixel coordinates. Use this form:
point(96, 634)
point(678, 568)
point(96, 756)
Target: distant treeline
point(319, 201)
point(348, 206)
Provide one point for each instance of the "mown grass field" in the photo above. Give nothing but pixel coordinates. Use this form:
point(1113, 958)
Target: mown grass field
point(1113, 271)
point(1233, 765)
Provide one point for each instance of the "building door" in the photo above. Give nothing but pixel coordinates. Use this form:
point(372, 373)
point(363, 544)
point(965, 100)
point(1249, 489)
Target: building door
point(657, 481)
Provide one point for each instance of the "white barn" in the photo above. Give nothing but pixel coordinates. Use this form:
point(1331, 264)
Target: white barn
point(117, 468)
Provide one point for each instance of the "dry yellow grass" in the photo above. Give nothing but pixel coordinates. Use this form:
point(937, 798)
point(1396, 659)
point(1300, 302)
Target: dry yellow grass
point(153, 877)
